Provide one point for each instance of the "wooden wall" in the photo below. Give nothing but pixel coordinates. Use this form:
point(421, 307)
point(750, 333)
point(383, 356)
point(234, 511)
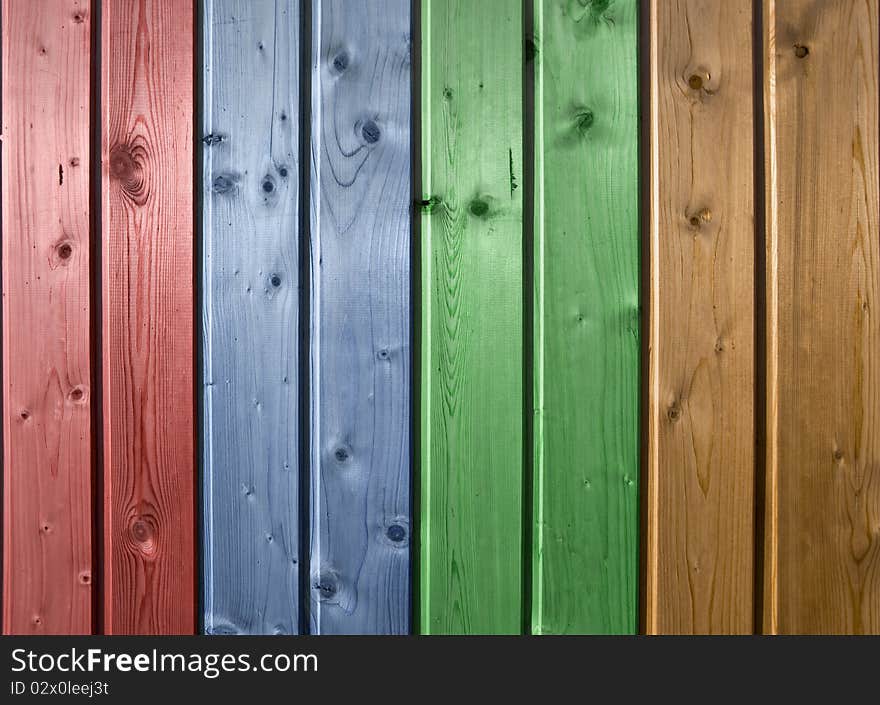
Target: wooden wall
point(440, 316)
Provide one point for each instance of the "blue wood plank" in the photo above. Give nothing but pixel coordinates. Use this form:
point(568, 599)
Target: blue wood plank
point(360, 327)
point(250, 313)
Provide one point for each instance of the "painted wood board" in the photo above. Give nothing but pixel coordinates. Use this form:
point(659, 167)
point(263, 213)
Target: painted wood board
point(471, 475)
point(250, 315)
point(47, 479)
point(822, 527)
point(586, 325)
point(700, 552)
point(149, 396)
point(360, 317)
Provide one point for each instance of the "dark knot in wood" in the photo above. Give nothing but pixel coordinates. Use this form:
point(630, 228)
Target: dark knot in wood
point(340, 62)
point(127, 171)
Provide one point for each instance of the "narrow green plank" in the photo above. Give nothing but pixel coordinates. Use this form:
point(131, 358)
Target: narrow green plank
point(471, 421)
point(585, 537)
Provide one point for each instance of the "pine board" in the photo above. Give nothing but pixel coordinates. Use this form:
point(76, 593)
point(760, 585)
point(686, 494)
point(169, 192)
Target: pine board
point(700, 542)
point(47, 466)
point(586, 325)
point(360, 317)
point(148, 290)
point(472, 329)
point(822, 528)
point(250, 316)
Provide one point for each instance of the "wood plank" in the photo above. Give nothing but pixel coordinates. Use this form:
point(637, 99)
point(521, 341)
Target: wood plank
point(250, 316)
point(47, 475)
point(701, 367)
point(472, 279)
point(822, 552)
point(585, 534)
point(361, 196)
point(149, 409)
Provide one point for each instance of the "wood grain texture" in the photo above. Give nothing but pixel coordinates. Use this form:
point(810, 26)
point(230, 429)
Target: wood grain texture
point(701, 356)
point(250, 316)
point(361, 207)
point(149, 410)
point(822, 553)
point(472, 357)
point(47, 478)
point(585, 535)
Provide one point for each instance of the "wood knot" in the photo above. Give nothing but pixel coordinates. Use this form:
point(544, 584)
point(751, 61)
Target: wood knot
point(79, 18)
point(24, 414)
point(673, 413)
point(383, 355)
point(275, 280)
point(61, 254)
point(77, 395)
point(126, 170)
point(396, 533)
point(142, 531)
point(268, 185)
point(74, 161)
point(327, 585)
point(429, 205)
point(583, 121)
point(838, 454)
point(448, 94)
point(85, 578)
point(478, 207)
point(801, 51)
point(211, 139)
point(340, 62)
point(530, 49)
point(697, 219)
point(282, 172)
point(695, 82)
point(341, 454)
point(224, 183)
point(371, 132)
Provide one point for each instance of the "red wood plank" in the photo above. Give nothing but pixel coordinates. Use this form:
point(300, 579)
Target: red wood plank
point(149, 401)
point(47, 528)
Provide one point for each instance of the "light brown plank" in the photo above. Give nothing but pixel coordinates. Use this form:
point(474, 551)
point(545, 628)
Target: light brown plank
point(822, 550)
point(47, 531)
point(701, 377)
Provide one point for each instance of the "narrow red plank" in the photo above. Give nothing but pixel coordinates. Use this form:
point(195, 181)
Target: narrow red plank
point(149, 404)
point(47, 520)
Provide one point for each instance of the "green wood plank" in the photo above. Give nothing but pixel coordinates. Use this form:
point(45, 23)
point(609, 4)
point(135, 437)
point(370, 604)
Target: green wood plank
point(471, 419)
point(585, 537)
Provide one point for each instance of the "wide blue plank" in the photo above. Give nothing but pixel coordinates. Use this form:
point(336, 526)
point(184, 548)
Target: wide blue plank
point(250, 316)
point(360, 317)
